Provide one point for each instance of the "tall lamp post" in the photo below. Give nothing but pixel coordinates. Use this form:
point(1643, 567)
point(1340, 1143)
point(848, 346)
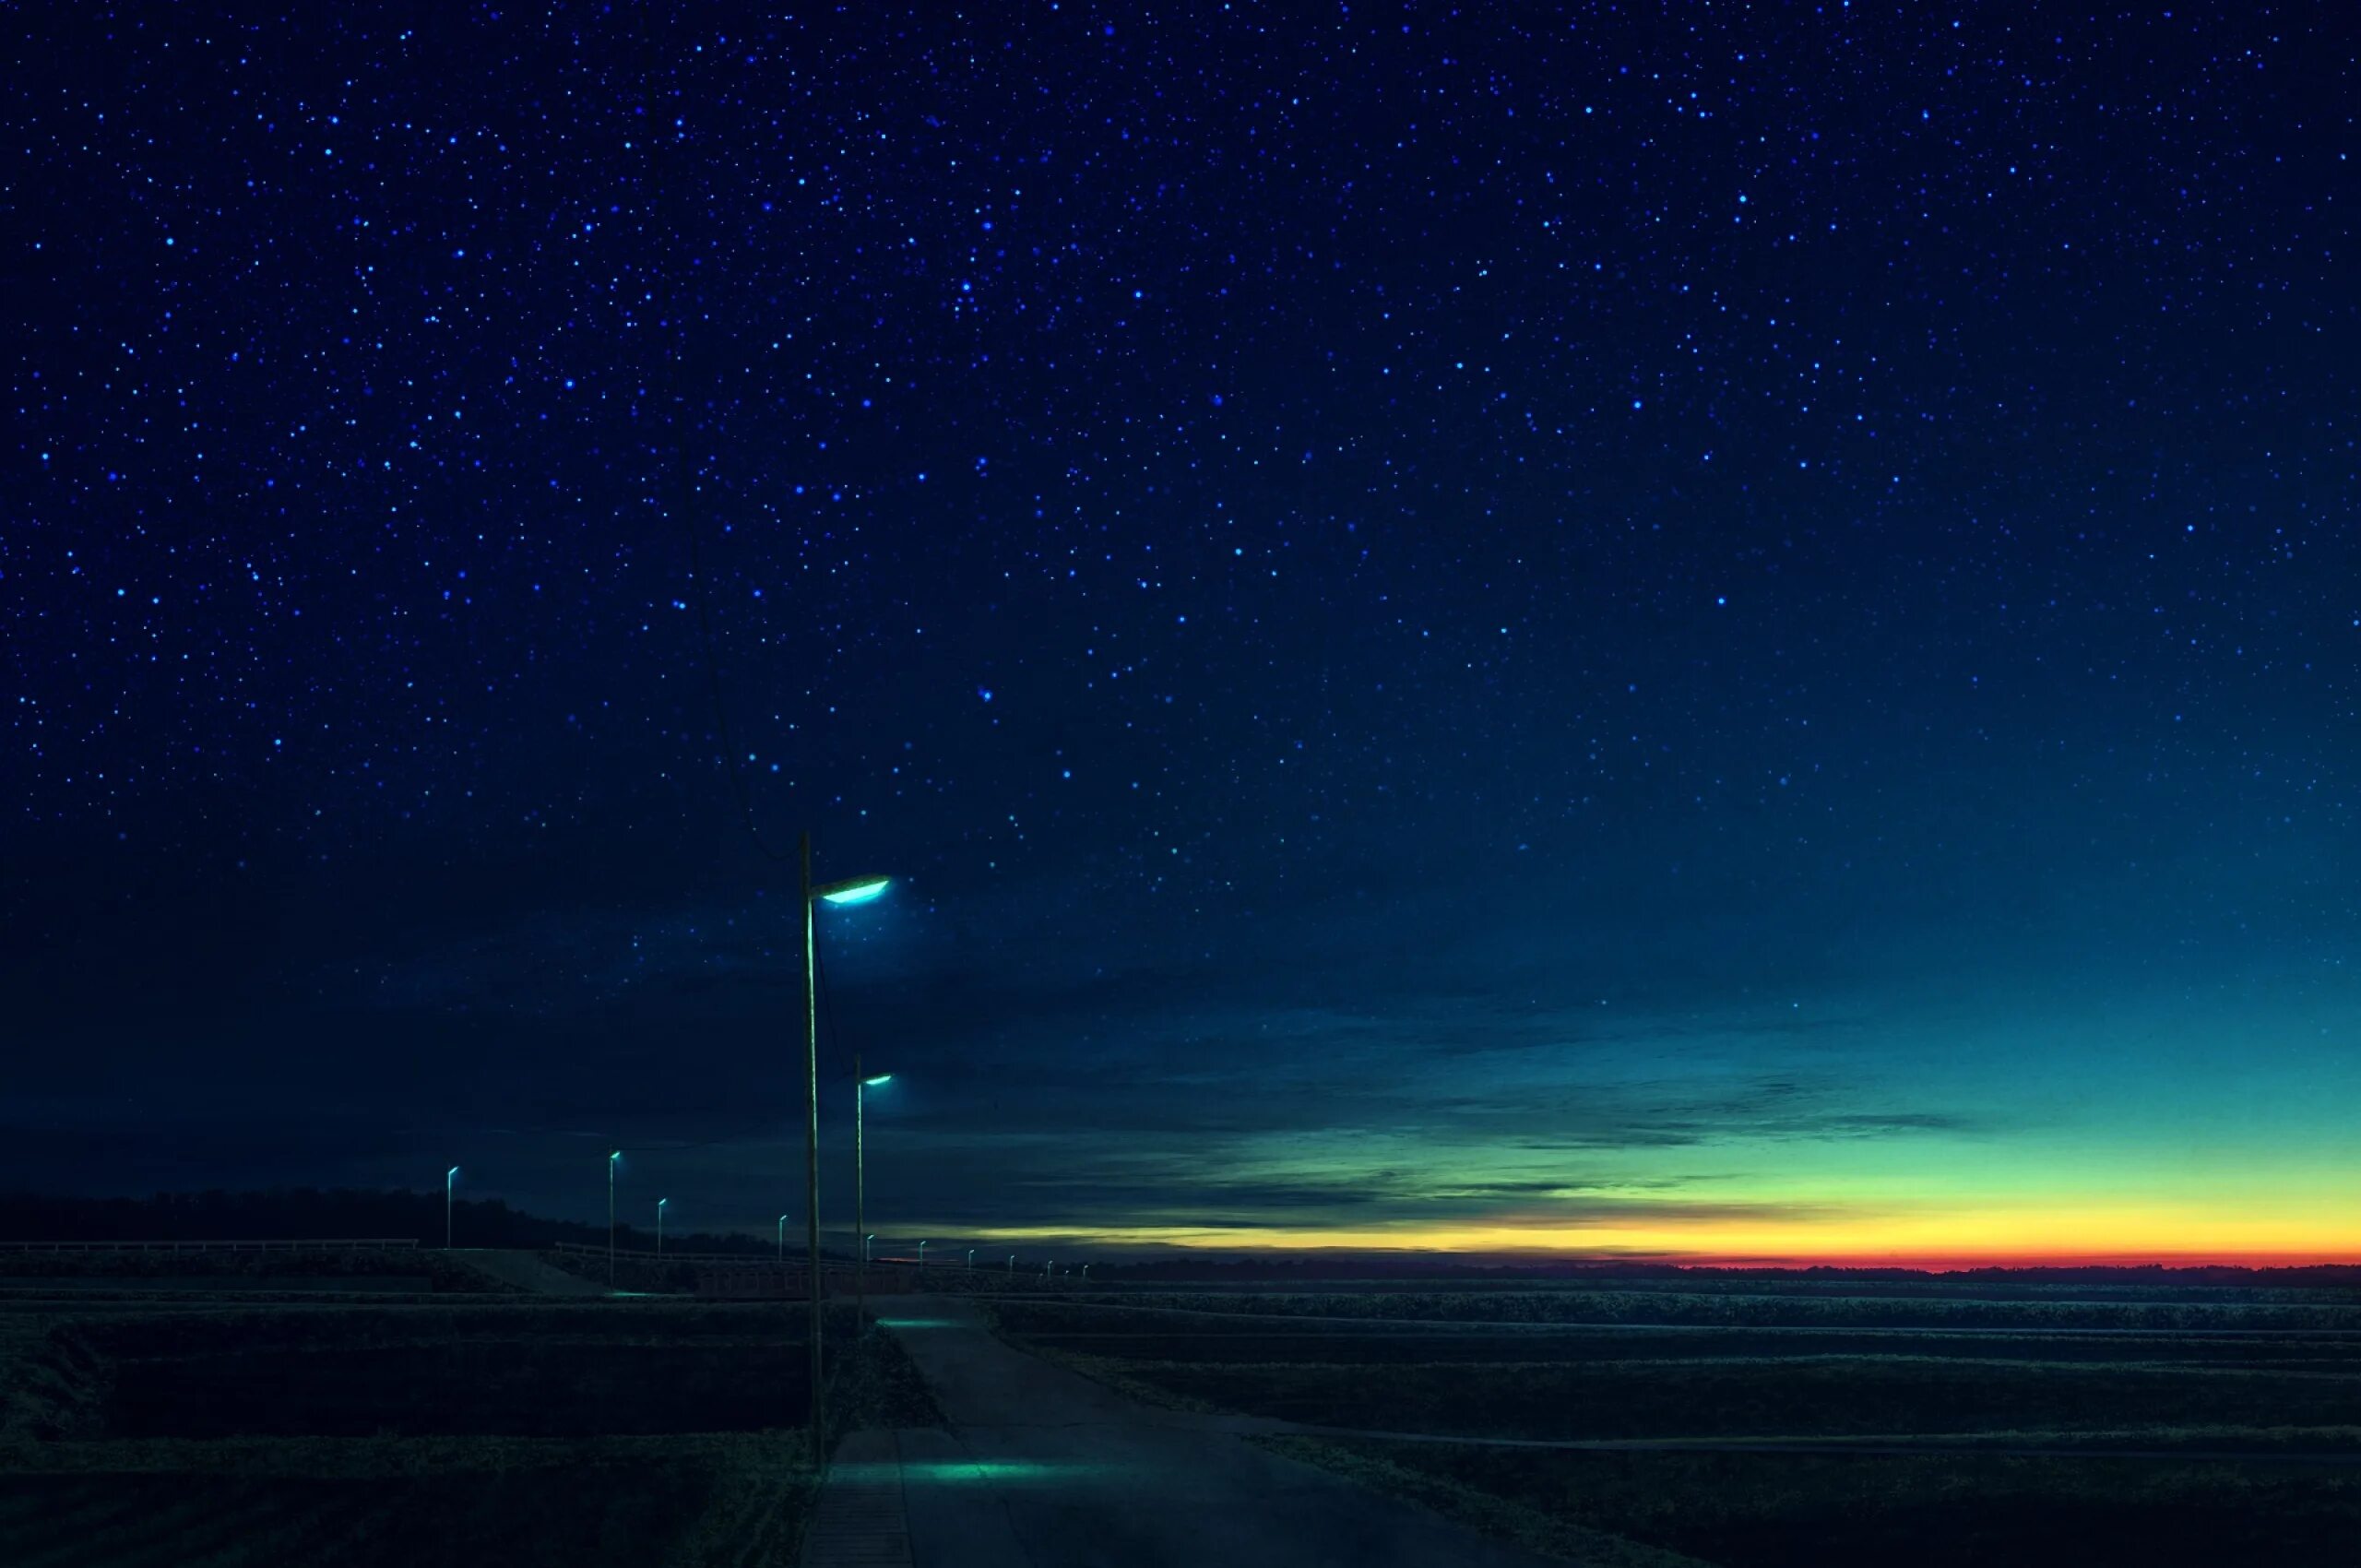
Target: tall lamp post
point(611, 1158)
point(922, 1256)
point(854, 890)
point(448, 1177)
point(659, 1225)
point(861, 1088)
point(782, 1237)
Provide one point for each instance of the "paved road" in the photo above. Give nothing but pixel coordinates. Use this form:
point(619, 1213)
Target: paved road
point(1040, 1467)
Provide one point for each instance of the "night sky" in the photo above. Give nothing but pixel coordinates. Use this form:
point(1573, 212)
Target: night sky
point(1703, 631)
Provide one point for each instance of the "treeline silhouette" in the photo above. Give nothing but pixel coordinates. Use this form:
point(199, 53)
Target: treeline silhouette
point(305, 1213)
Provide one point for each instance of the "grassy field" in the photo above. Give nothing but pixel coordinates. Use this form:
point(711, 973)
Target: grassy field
point(2134, 1424)
point(483, 1430)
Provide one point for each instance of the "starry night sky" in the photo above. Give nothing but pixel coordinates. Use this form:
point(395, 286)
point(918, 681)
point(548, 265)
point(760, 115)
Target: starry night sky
point(1690, 631)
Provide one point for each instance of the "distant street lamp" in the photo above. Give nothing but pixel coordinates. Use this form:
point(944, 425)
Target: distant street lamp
point(448, 1177)
point(1012, 1264)
point(861, 1088)
point(782, 1237)
point(971, 1260)
point(1086, 1272)
point(922, 1255)
point(611, 1158)
point(659, 1225)
point(854, 890)
point(864, 1245)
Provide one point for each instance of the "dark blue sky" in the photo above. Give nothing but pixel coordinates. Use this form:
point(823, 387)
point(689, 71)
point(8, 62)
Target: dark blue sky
point(1677, 630)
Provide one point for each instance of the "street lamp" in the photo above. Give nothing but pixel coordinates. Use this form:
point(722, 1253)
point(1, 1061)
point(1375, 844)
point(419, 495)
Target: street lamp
point(611, 1158)
point(864, 1245)
point(1086, 1273)
point(782, 1237)
point(448, 1177)
point(854, 890)
point(861, 1088)
point(659, 1225)
point(1012, 1265)
point(922, 1255)
point(971, 1260)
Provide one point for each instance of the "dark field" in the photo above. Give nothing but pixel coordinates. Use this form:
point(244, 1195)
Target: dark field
point(731, 1500)
point(1939, 1425)
point(478, 1429)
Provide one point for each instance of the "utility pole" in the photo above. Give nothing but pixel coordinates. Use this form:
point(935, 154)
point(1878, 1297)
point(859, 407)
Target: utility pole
point(811, 1140)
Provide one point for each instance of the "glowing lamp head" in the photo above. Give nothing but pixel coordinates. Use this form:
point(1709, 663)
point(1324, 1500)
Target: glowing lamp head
point(860, 890)
point(448, 1174)
point(881, 1079)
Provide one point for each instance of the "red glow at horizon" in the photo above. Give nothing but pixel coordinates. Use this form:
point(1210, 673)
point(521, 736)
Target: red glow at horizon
point(1961, 1263)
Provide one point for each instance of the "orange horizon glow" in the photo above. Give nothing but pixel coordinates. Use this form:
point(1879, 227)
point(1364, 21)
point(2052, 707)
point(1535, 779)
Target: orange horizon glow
point(2165, 1236)
point(1948, 1262)
point(1947, 1265)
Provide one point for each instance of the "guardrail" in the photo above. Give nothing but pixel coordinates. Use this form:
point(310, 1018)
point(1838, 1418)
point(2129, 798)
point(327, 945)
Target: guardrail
point(333, 1244)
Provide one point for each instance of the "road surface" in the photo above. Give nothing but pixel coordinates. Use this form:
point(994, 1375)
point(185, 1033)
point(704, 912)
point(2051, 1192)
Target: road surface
point(1040, 1467)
